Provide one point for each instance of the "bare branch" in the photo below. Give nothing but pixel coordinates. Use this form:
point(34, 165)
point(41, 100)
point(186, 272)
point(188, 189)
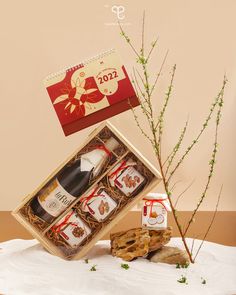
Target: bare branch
point(211, 163)
point(137, 86)
point(139, 126)
point(172, 155)
point(192, 247)
point(159, 73)
point(167, 97)
point(128, 40)
point(211, 223)
point(143, 25)
point(174, 185)
point(140, 77)
point(144, 109)
point(184, 191)
point(153, 45)
point(204, 126)
point(162, 112)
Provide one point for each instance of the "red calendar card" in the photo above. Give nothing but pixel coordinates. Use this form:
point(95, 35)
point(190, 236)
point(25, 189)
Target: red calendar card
point(90, 92)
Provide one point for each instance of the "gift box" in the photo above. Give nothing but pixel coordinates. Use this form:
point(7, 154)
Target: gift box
point(87, 194)
point(90, 92)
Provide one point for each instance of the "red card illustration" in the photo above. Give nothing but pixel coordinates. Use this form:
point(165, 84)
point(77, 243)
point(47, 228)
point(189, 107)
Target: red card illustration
point(90, 92)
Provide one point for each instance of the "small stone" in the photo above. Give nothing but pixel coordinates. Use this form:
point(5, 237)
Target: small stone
point(170, 255)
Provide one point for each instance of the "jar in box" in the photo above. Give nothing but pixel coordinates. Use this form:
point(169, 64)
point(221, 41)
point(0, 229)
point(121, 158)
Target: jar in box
point(154, 211)
point(98, 203)
point(127, 178)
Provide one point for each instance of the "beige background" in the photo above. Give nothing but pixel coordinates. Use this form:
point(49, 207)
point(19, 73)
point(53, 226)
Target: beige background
point(41, 37)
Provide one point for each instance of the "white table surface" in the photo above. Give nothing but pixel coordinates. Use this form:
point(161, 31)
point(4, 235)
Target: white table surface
point(26, 268)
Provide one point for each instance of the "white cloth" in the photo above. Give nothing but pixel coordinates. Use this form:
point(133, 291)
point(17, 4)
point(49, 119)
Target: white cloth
point(26, 268)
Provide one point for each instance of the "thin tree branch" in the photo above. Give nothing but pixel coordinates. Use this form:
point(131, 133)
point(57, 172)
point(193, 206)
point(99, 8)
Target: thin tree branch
point(139, 126)
point(192, 246)
point(140, 77)
point(174, 185)
point(128, 40)
point(159, 73)
point(167, 97)
point(211, 223)
point(172, 155)
point(153, 45)
point(144, 110)
point(202, 129)
point(162, 112)
point(184, 191)
point(211, 163)
point(142, 46)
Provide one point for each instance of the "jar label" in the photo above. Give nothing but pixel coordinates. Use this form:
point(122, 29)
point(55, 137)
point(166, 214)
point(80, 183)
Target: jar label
point(75, 231)
point(129, 180)
point(100, 205)
point(154, 216)
point(55, 199)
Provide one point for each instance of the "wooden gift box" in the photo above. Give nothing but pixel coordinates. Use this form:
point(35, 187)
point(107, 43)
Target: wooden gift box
point(52, 239)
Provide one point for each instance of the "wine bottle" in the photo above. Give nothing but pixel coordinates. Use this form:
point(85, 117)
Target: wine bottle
point(71, 182)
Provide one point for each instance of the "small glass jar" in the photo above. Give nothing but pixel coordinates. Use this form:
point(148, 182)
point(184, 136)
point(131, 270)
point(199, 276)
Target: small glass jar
point(154, 211)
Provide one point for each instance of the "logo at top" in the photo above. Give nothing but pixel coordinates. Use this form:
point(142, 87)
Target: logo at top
point(119, 11)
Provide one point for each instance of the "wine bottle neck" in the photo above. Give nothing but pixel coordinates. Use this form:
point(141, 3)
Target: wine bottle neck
point(105, 149)
point(93, 160)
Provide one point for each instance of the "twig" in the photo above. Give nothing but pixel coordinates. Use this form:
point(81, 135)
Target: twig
point(140, 77)
point(211, 223)
point(152, 48)
point(192, 246)
point(162, 112)
point(184, 191)
point(128, 40)
point(172, 155)
point(211, 163)
point(174, 185)
point(142, 46)
point(144, 110)
point(138, 124)
point(137, 86)
point(159, 73)
point(203, 128)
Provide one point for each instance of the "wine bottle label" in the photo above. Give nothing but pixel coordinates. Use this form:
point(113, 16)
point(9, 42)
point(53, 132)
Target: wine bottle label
point(54, 199)
point(129, 180)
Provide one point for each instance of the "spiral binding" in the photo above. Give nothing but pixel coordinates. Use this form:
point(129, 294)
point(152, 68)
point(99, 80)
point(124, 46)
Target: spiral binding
point(77, 66)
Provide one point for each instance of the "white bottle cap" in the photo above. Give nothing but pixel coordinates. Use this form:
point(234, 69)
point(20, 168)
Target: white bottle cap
point(111, 144)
